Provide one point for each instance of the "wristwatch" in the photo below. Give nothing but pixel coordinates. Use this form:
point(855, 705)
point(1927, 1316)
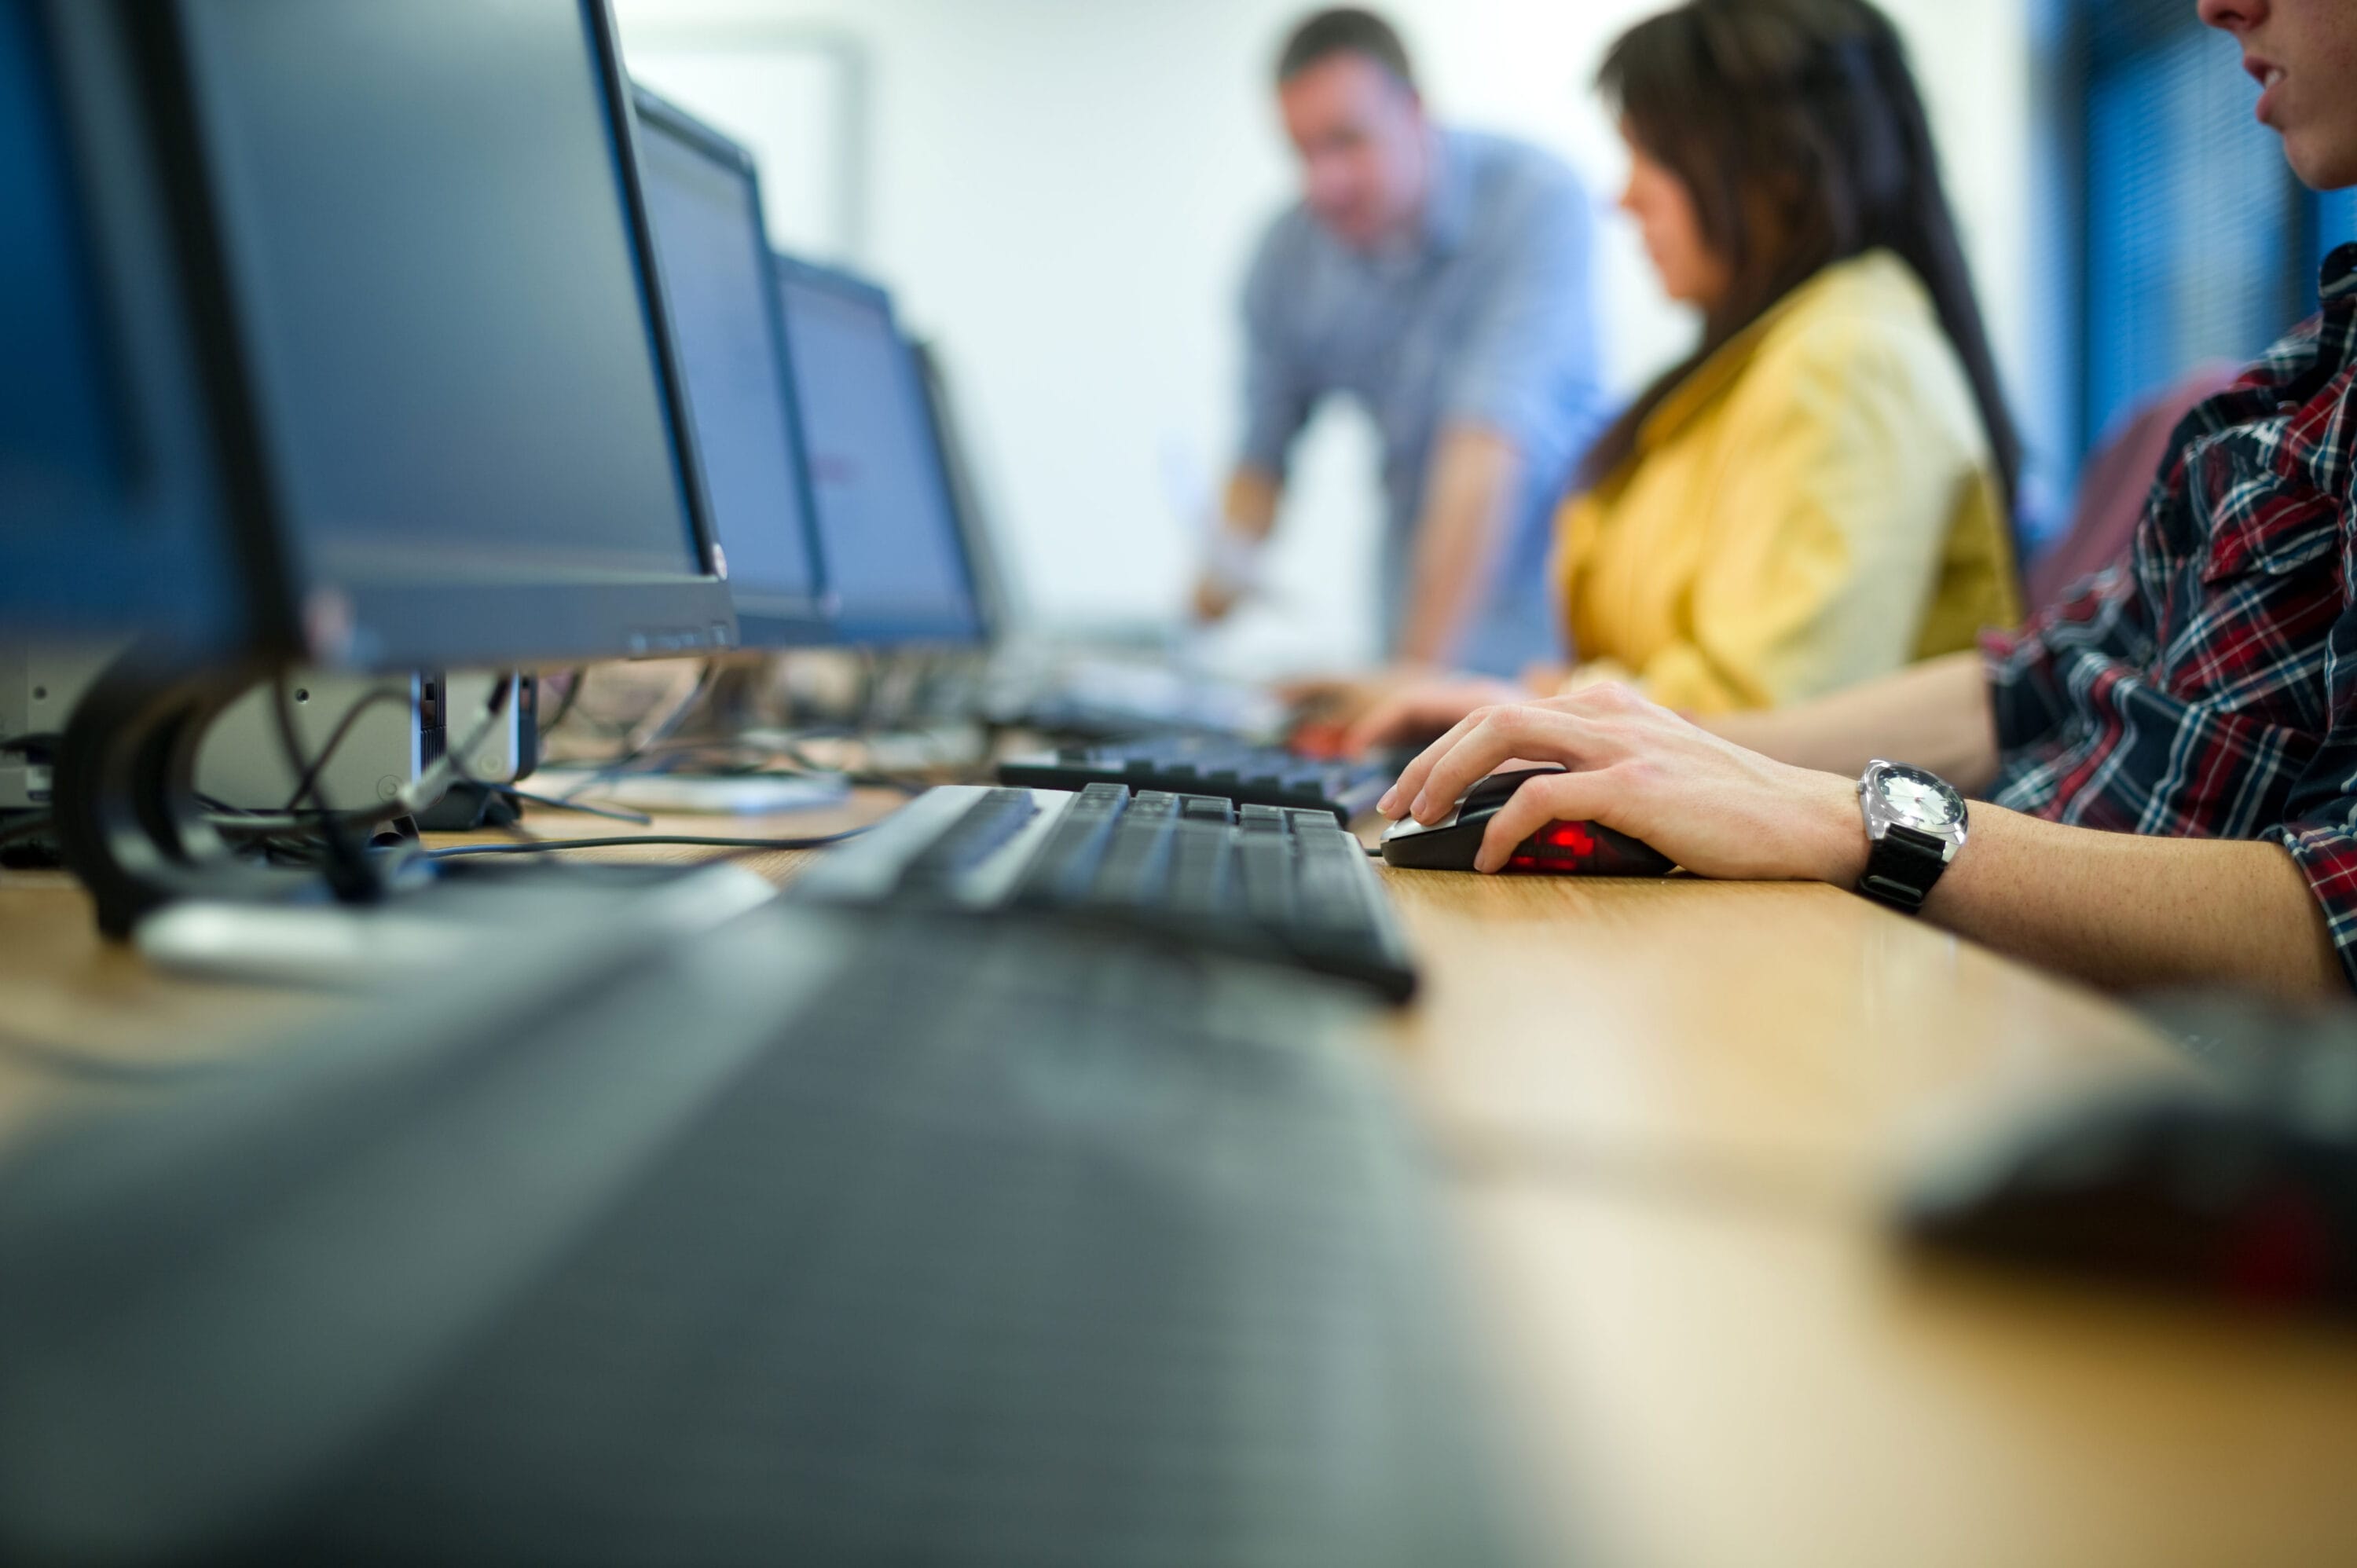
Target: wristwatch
point(1914, 824)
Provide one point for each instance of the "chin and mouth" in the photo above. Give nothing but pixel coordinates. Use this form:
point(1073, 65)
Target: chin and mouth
point(2270, 79)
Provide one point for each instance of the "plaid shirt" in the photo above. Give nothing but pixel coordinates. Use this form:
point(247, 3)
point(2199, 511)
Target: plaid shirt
point(2207, 686)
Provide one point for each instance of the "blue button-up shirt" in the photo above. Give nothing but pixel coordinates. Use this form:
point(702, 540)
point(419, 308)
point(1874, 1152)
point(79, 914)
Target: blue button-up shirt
point(1484, 319)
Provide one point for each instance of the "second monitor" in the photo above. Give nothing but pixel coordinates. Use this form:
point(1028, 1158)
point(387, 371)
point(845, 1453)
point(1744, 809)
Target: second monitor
point(896, 559)
point(713, 252)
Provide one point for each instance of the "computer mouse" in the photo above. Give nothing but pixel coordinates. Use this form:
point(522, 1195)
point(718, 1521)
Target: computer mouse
point(2166, 1186)
point(1574, 849)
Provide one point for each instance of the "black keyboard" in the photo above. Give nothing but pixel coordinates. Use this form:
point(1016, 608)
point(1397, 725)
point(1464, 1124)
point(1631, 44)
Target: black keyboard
point(1276, 883)
point(1247, 775)
point(826, 1238)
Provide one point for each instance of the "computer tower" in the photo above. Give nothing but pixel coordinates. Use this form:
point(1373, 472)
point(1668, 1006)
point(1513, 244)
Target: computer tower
point(504, 753)
point(393, 732)
point(40, 684)
point(509, 748)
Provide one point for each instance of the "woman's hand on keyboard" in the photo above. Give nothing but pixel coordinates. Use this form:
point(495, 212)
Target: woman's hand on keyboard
point(1412, 712)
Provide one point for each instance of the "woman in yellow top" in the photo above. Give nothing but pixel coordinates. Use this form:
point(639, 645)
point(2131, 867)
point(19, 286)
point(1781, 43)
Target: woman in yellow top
point(1821, 493)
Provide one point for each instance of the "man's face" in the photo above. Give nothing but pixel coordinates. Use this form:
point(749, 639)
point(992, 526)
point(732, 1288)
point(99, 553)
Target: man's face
point(1361, 136)
point(2305, 54)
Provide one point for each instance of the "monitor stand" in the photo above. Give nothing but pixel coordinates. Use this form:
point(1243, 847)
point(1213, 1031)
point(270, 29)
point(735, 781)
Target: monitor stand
point(123, 796)
point(132, 827)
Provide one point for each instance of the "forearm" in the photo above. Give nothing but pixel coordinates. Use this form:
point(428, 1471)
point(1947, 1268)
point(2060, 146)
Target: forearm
point(1231, 557)
point(2117, 909)
point(1248, 509)
point(2127, 911)
point(1933, 715)
point(1476, 480)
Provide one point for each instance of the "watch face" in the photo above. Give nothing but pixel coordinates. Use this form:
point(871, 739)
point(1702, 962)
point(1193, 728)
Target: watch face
point(1918, 799)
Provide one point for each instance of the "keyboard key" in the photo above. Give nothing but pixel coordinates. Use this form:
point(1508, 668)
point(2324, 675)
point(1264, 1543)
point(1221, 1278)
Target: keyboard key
point(988, 823)
point(1137, 861)
point(1266, 862)
point(1247, 775)
point(1200, 855)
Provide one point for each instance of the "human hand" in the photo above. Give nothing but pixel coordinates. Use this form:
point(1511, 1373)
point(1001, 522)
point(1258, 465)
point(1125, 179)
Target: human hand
point(1213, 598)
point(1413, 712)
point(1713, 807)
point(1337, 702)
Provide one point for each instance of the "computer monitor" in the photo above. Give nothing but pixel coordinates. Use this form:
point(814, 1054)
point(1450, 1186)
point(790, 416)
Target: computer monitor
point(713, 251)
point(384, 275)
point(460, 394)
point(114, 520)
point(895, 560)
point(977, 525)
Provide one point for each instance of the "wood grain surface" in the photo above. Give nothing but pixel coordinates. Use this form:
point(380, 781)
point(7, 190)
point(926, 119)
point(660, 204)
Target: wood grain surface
point(1672, 1114)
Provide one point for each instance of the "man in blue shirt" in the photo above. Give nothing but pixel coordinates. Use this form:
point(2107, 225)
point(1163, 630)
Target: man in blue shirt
point(1442, 279)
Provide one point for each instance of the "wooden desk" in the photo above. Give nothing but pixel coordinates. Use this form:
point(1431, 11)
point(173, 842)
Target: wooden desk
point(1774, 1039)
point(1669, 1111)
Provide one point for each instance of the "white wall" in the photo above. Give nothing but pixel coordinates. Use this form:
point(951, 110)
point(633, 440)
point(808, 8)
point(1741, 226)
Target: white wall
point(1064, 192)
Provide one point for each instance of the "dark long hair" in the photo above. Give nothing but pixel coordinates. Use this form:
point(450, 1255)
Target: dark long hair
point(1796, 127)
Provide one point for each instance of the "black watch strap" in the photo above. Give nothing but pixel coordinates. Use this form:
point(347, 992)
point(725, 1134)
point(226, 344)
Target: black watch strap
point(1901, 867)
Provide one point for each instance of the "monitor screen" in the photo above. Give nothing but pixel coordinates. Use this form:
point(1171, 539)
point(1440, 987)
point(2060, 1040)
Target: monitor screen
point(61, 450)
point(706, 207)
point(437, 255)
point(895, 559)
point(112, 522)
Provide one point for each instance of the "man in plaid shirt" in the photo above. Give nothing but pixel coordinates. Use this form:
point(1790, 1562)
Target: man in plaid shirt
point(2168, 758)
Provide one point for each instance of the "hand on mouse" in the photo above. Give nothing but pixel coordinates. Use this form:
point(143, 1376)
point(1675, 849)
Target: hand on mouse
point(1709, 804)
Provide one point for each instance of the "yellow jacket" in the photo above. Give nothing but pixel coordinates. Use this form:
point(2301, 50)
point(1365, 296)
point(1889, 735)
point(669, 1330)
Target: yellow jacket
point(1815, 505)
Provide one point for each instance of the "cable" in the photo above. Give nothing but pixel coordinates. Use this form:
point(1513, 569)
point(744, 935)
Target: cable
point(414, 796)
point(342, 731)
point(337, 737)
point(906, 783)
point(659, 731)
point(680, 759)
point(266, 824)
point(29, 743)
point(665, 753)
point(548, 846)
point(574, 680)
point(451, 764)
point(706, 676)
point(551, 802)
point(349, 874)
point(348, 862)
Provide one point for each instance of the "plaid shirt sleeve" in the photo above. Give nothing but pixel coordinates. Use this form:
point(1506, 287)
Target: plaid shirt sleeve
point(2206, 687)
point(2031, 672)
point(2319, 826)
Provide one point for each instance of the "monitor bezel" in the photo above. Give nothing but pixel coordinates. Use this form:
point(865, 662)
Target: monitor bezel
point(851, 625)
point(763, 619)
point(428, 624)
